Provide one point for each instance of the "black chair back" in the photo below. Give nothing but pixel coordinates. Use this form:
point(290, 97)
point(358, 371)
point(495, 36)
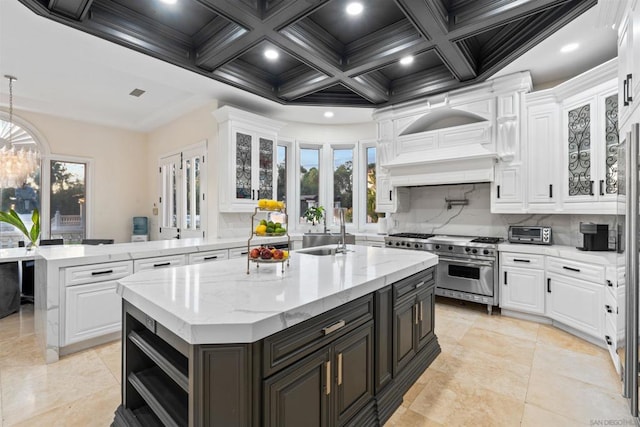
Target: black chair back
point(97, 241)
point(51, 242)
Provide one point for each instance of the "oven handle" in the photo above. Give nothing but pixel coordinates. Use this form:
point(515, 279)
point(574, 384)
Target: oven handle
point(471, 263)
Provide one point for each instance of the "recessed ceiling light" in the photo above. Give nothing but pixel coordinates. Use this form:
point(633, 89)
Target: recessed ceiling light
point(169, 1)
point(569, 47)
point(354, 8)
point(271, 54)
point(406, 60)
point(328, 114)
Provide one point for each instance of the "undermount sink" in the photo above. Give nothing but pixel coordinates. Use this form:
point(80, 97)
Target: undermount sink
point(320, 251)
point(321, 239)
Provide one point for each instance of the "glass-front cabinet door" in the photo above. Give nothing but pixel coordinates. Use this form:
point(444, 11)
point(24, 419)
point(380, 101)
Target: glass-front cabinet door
point(243, 149)
point(590, 135)
point(266, 169)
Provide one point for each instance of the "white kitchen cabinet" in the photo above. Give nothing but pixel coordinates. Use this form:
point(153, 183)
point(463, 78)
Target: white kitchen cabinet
point(629, 62)
point(91, 306)
point(543, 179)
point(390, 199)
point(91, 310)
point(575, 295)
point(522, 285)
point(507, 194)
point(158, 262)
point(590, 142)
point(247, 162)
point(238, 252)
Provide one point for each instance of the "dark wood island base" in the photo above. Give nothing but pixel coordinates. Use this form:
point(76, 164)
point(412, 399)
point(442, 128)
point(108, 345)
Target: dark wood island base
point(348, 366)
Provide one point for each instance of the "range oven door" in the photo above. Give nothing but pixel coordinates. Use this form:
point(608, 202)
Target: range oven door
point(462, 275)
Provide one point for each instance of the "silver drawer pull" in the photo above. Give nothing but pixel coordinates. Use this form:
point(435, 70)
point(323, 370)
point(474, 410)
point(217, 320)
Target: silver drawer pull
point(330, 329)
point(419, 284)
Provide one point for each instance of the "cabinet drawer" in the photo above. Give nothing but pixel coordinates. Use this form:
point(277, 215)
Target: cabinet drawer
point(576, 269)
point(284, 348)
point(238, 252)
point(522, 260)
point(208, 256)
point(97, 272)
point(158, 262)
point(409, 287)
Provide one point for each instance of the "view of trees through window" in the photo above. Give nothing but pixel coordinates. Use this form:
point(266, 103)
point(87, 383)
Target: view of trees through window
point(68, 201)
point(23, 200)
point(343, 183)
point(372, 215)
point(309, 179)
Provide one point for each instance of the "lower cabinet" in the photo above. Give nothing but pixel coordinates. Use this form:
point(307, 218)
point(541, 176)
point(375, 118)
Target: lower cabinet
point(522, 289)
point(576, 303)
point(326, 388)
point(91, 310)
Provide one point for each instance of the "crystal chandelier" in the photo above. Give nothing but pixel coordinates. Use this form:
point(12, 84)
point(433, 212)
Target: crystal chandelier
point(16, 162)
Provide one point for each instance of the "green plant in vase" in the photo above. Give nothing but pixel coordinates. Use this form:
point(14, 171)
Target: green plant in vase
point(314, 214)
point(14, 219)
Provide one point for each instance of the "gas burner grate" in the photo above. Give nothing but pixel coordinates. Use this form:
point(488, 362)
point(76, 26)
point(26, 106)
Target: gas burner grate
point(486, 240)
point(412, 235)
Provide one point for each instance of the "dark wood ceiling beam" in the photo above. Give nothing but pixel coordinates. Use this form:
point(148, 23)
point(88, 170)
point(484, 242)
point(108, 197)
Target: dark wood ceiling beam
point(513, 42)
point(476, 20)
point(434, 80)
point(224, 46)
point(306, 84)
point(427, 17)
point(243, 77)
point(74, 9)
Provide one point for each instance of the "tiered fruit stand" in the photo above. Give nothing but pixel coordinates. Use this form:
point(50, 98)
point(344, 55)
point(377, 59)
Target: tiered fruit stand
point(254, 236)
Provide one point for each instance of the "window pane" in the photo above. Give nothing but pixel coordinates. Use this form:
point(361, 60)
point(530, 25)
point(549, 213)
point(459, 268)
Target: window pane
point(68, 197)
point(343, 183)
point(372, 216)
point(173, 187)
point(196, 191)
point(23, 200)
point(188, 182)
point(309, 179)
point(282, 173)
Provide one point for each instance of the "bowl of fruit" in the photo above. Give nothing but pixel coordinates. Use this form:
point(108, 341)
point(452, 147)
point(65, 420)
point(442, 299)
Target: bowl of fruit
point(268, 254)
point(270, 228)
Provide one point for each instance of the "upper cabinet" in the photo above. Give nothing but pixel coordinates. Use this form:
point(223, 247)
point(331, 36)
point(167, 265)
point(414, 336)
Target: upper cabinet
point(570, 140)
point(247, 162)
point(629, 65)
point(590, 150)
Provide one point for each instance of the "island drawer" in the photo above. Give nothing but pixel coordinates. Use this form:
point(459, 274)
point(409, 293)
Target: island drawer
point(409, 287)
point(97, 272)
point(208, 256)
point(284, 348)
point(158, 262)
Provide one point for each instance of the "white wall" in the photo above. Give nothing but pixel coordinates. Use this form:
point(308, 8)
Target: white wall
point(329, 133)
point(428, 213)
point(120, 185)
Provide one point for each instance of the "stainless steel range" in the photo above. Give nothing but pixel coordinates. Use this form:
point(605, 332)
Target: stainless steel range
point(467, 267)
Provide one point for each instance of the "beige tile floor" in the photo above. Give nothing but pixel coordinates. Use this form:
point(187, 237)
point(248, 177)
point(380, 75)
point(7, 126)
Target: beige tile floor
point(493, 371)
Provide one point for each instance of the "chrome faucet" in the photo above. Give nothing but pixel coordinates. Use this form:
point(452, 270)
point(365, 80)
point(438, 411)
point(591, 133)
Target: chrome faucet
point(342, 243)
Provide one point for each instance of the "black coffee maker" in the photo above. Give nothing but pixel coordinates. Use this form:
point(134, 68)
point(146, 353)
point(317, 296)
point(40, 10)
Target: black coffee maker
point(595, 236)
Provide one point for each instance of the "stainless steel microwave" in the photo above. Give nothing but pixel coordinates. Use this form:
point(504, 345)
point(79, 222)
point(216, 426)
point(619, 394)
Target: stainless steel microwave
point(535, 234)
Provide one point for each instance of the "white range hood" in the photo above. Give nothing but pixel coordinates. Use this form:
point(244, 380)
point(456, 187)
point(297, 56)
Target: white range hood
point(457, 165)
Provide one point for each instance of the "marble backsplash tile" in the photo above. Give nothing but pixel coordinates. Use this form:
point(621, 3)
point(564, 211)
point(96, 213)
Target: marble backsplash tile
point(429, 213)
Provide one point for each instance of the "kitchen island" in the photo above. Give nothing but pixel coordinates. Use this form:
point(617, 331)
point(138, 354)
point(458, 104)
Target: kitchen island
point(332, 340)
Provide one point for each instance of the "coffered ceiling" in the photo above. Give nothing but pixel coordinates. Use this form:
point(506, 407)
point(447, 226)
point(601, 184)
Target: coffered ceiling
point(325, 56)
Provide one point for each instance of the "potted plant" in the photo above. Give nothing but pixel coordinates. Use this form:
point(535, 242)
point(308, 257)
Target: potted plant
point(14, 219)
point(314, 214)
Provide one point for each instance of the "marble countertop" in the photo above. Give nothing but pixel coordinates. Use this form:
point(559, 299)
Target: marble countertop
point(17, 254)
point(602, 258)
point(220, 303)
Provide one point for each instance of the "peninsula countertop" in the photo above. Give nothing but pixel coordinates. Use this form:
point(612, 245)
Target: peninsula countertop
point(219, 302)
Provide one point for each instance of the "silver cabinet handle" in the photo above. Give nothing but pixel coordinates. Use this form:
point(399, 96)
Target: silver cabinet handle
point(419, 284)
point(327, 366)
point(339, 368)
point(421, 312)
point(330, 329)
point(415, 313)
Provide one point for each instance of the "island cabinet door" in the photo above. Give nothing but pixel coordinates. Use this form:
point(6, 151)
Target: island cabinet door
point(404, 348)
point(425, 317)
point(353, 358)
point(300, 395)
